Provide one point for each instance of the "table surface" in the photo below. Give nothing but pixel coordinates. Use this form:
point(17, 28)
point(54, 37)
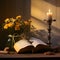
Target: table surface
point(36, 55)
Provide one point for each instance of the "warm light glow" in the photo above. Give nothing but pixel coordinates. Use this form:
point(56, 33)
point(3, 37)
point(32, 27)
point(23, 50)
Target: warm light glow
point(49, 13)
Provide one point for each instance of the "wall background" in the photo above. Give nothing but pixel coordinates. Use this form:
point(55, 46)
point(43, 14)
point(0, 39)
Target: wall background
point(39, 9)
point(12, 8)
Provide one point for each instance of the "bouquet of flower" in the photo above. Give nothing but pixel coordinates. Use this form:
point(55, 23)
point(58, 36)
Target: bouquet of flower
point(16, 25)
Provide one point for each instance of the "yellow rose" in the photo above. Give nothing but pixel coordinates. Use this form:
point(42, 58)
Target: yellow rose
point(18, 17)
point(6, 26)
point(10, 24)
point(12, 19)
point(7, 20)
point(17, 27)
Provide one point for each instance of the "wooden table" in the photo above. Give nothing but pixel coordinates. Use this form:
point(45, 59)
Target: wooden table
point(40, 55)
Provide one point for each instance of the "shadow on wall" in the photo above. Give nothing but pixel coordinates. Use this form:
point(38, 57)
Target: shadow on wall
point(57, 2)
point(54, 29)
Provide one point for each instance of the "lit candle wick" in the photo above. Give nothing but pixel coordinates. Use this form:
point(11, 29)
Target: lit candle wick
point(49, 14)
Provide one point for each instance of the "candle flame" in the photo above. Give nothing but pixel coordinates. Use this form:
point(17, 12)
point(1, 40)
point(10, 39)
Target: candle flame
point(49, 12)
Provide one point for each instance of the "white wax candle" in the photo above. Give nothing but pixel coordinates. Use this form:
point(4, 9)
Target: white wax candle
point(49, 14)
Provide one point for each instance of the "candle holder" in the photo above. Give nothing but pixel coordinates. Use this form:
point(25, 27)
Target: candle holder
point(49, 21)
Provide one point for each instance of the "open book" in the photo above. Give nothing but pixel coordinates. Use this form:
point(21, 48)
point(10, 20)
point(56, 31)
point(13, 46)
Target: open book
point(39, 45)
point(36, 45)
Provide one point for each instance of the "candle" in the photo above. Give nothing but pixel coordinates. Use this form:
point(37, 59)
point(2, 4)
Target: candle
point(49, 14)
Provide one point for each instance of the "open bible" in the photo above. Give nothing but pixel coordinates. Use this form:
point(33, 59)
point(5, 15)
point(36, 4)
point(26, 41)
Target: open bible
point(34, 45)
point(39, 46)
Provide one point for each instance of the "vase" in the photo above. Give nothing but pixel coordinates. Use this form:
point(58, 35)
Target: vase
point(12, 41)
point(10, 44)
